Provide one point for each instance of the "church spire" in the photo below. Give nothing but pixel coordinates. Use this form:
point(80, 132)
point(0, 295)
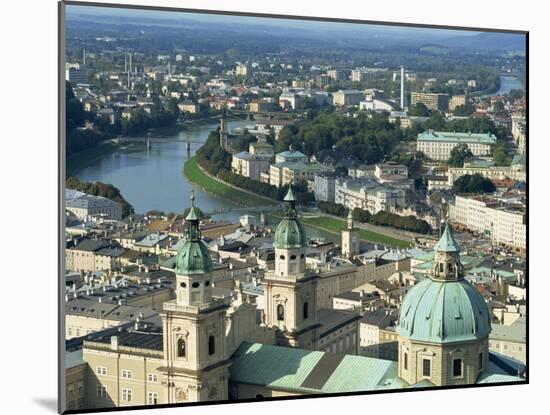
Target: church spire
point(290, 200)
point(350, 219)
point(447, 265)
point(192, 219)
point(447, 242)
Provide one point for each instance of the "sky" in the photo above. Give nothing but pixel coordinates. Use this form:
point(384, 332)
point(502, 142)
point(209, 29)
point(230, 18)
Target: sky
point(73, 11)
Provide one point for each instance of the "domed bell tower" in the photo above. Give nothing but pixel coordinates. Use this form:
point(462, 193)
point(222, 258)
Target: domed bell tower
point(290, 291)
point(290, 244)
point(193, 265)
point(195, 360)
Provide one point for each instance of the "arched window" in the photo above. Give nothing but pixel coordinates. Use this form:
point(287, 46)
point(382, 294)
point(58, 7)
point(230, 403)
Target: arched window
point(181, 347)
point(282, 257)
point(211, 345)
point(259, 396)
point(280, 312)
point(293, 257)
point(306, 310)
point(183, 285)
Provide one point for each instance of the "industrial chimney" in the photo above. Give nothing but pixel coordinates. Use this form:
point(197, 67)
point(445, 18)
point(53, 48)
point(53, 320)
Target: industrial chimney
point(402, 87)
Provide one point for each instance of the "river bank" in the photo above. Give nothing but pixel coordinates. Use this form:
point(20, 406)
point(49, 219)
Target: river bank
point(215, 186)
point(85, 157)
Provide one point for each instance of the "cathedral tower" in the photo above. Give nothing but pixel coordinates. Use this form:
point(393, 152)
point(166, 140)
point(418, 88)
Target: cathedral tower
point(291, 301)
point(196, 363)
point(444, 324)
point(350, 238)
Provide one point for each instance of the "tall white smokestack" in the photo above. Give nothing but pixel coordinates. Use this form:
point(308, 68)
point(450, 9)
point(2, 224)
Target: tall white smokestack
point(130, 62)
point(125, 63)
point(402, 87)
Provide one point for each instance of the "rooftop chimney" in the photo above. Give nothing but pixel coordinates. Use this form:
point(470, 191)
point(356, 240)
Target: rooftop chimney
point(114, 342)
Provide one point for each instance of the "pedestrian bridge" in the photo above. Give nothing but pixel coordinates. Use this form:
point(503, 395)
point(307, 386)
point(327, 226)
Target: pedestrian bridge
point(259, 209)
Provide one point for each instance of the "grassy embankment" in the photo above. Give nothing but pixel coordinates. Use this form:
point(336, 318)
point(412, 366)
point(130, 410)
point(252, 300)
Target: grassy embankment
point(337, 225)
point(208, 184)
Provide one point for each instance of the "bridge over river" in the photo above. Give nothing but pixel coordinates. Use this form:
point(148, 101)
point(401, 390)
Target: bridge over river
point(258, 209)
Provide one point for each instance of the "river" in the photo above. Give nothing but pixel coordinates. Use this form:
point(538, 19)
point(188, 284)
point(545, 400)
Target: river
point(507, 83)
point(153, 178)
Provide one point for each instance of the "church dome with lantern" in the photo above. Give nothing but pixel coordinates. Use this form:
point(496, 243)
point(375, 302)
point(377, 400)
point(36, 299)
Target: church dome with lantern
point(444, 308)
point(193, 256)
point(290, 233)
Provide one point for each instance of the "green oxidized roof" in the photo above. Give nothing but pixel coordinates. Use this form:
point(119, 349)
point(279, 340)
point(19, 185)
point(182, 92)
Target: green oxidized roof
point(305, 371)
point(193, 256)
point(290, 233)
point(193, 214)
point(447, 243)
point(289, 197)
point(449, 311)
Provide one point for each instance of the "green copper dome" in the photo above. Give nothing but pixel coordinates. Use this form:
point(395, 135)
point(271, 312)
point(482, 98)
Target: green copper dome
point(444, 312)
point(193, 256)
point(290, 233)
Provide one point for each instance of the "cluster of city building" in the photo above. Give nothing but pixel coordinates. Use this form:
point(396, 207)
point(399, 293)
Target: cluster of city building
point(193, 310)
point(173, 310)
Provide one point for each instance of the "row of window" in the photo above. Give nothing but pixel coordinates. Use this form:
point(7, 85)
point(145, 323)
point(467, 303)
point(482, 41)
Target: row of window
point(281, 311)
point(79, 390)
point(195, 284)
point(126, 395)
point(127, 374)
point(339, 346)
point(292, 257)
point(457, 369)
point(182, 347)
point(505, 346)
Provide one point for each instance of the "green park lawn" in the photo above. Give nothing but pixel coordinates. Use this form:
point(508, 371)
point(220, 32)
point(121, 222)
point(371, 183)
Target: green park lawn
point(336, 225)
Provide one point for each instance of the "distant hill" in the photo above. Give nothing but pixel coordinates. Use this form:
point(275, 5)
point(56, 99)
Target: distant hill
point(487, 41)
point(434, 49)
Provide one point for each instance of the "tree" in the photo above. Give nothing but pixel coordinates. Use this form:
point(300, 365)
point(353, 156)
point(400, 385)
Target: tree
point(464, 110)
point(499, 106)
point(475, 183)
point(459, 153)
point(419, 110)
point(500, 154)
point(101, 189)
